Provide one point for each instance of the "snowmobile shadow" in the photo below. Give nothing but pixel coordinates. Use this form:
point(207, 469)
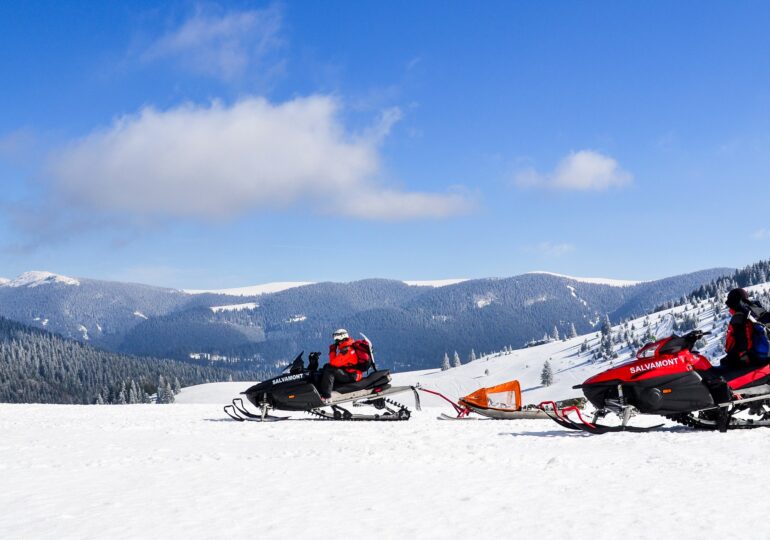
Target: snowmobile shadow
point(571, 433)
point(551, 433)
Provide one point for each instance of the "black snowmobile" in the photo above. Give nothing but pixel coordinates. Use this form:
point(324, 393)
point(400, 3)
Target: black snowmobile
point(297, 391)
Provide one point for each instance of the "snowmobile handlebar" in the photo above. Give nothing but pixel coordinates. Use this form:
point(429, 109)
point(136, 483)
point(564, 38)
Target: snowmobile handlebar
point(695, 335)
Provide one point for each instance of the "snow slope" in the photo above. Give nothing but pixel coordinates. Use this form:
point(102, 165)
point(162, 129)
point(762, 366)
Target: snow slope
point(435, 282)
point(267, 288)
point(570, 366)
point(234, 307)
point(36, 278)
point(598, 281)
point(185, 472)
point(254, 290)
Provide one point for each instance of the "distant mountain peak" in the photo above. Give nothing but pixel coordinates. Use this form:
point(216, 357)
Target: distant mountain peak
point(3, 280)
point(597, 281)
point(37, 278)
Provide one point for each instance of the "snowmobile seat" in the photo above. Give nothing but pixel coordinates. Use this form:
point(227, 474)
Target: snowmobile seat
point(745, 376)
point(377, 378)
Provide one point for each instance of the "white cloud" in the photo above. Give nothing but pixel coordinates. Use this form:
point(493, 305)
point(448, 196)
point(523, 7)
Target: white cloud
point(761, 234)
point(585, 170)
point(224, 45)
point(220, 161)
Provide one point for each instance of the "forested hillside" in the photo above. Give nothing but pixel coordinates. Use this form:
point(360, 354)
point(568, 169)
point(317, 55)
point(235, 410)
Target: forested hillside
point(40, 367)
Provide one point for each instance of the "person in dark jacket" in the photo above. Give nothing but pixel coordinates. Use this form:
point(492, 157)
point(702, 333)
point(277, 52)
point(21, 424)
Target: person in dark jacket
point(348, 360)
point(739, 342)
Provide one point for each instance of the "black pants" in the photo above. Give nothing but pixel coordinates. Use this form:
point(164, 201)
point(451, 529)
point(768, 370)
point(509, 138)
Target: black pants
point(331, 375)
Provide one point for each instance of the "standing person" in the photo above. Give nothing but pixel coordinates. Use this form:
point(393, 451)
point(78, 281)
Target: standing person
point(348, 360)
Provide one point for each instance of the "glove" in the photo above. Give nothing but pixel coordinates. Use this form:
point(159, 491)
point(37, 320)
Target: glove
point(312, 364)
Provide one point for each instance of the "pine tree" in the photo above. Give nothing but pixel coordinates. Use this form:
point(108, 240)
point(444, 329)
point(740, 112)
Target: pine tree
point(445, 364)
point(555, 333)
point(121, 399)
point(546, 376)
point(456, 360)
point(473, 355)
point(572, 332)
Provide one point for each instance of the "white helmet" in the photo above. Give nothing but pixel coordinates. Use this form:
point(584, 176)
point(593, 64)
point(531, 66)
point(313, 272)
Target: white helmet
point(340, 335)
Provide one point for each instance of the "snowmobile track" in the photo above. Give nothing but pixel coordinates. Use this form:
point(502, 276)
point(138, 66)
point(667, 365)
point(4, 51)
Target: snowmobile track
point(341, 414)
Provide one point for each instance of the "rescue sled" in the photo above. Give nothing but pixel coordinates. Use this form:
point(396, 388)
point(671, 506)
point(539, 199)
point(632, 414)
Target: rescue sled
point(500, 402)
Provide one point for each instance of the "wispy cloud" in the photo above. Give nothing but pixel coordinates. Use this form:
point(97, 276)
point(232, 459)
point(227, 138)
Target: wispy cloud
point(220, 161)
point(585, 170)
point(221, 44)
point(761, 234)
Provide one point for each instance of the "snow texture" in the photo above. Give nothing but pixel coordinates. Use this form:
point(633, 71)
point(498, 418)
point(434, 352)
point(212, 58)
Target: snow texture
point(435, 282)
point(120, 471)
point(234, 307)
point(140, 315)
point(599, 281)
point(188, 471)
point(254, 290)
point(36, 278)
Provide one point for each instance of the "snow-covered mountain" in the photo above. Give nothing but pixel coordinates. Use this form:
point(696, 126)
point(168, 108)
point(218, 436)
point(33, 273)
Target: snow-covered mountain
point(413, 324)
point(269, 288)
point(38, 278)
point(600, 281)
point(572, 360)
point(253, 290)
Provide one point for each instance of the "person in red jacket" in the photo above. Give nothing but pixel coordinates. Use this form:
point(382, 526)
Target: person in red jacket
point(348, 360)
point(740, 345)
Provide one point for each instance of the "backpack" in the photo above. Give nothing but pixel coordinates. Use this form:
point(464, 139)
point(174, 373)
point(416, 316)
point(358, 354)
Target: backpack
point(760, 345)
point(363, 353)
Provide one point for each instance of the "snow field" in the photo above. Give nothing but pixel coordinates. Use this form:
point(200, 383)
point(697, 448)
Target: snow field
point(187, 472)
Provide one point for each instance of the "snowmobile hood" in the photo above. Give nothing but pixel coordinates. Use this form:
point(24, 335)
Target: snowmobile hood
point(297, 378)
point(658, 365)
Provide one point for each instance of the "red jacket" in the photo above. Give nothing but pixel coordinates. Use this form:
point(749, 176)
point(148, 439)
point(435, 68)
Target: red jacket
point(739, 339)
point(352, 356)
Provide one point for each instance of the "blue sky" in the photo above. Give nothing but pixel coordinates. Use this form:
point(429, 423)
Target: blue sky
point(194, 144)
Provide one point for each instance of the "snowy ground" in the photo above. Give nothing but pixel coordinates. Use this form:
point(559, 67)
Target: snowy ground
point(184, 471)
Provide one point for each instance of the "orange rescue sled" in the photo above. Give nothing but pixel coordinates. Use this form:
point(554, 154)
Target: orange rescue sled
point(501, 402)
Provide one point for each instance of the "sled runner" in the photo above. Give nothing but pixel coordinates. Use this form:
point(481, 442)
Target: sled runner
point(668, 378)
point(297, 391)
point(501, 402)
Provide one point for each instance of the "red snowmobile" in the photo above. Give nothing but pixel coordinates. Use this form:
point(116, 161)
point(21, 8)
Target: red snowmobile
point(670, 379)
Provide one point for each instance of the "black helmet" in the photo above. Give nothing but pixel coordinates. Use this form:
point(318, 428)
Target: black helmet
point(735, 298)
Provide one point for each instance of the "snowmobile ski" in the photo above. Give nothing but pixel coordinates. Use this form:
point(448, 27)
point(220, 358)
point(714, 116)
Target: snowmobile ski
point(237, 411)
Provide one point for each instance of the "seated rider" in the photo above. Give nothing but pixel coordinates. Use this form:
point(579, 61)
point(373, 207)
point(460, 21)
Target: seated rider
point(745, 343)
point(348, 360)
